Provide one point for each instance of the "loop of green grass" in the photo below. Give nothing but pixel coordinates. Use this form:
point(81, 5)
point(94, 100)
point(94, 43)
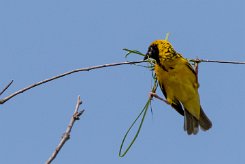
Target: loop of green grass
point(142, 114)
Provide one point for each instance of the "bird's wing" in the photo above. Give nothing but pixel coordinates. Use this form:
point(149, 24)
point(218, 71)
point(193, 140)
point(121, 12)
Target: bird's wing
point(190, 67)
point(193, 71)
point(178, 107)
point(176, 104)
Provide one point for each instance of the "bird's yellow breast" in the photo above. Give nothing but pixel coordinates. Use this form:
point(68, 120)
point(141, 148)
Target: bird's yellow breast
point(179, 83)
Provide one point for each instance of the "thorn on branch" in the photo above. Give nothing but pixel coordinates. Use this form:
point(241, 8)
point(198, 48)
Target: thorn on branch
point(66, 136)
point(77, 115)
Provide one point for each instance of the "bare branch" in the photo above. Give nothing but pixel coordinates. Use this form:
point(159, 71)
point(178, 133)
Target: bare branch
point(66, 135)
point(6, 87)
point(215, 61)
point(2, 101)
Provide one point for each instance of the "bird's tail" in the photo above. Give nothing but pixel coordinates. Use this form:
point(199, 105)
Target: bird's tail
point(204, 121)
point(191, 124)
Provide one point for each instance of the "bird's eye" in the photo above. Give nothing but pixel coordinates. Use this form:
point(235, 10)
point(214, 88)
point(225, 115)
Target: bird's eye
point(150, 51)
point(153, 51)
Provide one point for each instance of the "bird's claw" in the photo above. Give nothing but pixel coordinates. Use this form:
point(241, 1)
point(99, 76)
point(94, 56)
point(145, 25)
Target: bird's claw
point(153, 94)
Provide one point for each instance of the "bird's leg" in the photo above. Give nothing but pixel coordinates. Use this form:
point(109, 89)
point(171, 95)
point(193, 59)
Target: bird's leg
point(196, 69)
point(153, 94)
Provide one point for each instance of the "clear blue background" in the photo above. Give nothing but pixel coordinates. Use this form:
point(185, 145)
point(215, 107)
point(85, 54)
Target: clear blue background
point(40, 39)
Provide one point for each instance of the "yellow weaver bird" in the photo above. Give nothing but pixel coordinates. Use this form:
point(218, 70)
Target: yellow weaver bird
point(178, 82)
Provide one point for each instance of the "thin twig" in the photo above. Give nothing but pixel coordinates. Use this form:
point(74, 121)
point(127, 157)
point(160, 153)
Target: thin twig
point(216, 61)
point(2, 101)
point(66, 135)
point(4, 89)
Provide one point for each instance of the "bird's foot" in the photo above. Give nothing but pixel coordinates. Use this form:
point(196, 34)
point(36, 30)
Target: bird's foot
point(152, 94)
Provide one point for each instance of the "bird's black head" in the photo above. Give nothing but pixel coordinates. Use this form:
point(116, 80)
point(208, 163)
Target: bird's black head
point(153, 52)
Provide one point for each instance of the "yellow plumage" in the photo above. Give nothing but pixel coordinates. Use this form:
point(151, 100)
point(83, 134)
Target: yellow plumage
point(178, 82)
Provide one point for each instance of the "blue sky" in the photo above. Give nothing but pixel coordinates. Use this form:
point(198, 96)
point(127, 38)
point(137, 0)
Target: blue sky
point(40, 39)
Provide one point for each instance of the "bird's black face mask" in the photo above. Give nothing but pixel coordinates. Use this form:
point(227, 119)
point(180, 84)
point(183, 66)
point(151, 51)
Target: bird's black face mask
point(152, 52)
